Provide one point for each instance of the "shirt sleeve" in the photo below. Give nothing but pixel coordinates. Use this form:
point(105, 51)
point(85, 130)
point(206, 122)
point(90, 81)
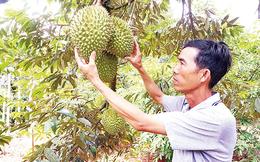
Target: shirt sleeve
point(172, 103)
point(192, 131)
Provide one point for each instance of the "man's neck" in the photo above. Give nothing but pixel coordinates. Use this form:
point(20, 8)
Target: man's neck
point(197, 96)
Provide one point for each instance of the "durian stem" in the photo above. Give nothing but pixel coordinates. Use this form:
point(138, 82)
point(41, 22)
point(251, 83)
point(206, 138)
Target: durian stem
point(112, 85)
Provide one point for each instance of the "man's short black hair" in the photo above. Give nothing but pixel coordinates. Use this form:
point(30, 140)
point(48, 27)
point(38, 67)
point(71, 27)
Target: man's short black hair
point(214, 56)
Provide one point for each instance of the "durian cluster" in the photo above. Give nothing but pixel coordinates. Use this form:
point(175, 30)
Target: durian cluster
point(112, 121)
point(93, 29)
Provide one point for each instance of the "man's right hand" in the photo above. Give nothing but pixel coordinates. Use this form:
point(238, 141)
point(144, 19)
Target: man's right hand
point(136, 57)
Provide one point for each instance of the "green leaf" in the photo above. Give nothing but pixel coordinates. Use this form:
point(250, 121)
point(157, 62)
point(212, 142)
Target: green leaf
point(83, 137)
point(27, 43)
point(207, 13)
point(212, 12)
point(85, 121)
point(232, 21)
point(66, 112)
point(47, 126)
point(4, 65)
point(56, 141)
point(93, 148)
point(2, 43)
point(79, 142)
point(51, 156)
point(257, 105)
point(54, 126)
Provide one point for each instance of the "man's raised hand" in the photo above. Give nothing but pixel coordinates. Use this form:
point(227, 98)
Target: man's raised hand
point(136, 57)
point(89, 69)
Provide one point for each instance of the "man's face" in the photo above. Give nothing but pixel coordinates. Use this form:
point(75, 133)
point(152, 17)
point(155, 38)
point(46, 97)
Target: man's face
point(186, 74)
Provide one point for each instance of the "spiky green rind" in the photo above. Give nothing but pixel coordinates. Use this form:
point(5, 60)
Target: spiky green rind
point(107, 66)
point(112, 121)
point(121, 43)
point(91, 30)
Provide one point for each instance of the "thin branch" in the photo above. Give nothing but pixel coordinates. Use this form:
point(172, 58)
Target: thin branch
point(94, 126)
point(124, 5)
point(60, 25)
point(191, 20)
point(183, 3)
point(103, 105)
point(253, 74)
point(258, 10)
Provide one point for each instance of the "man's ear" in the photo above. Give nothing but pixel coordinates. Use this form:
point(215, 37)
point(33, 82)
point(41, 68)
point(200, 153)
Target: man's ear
point(205, 75)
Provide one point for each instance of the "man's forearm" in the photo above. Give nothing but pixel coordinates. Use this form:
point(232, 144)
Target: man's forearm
point(153, 90)
point(132, 114)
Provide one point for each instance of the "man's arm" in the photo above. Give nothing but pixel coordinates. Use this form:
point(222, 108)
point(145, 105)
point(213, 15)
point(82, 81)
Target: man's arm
point(134, 116)
point(136, 60)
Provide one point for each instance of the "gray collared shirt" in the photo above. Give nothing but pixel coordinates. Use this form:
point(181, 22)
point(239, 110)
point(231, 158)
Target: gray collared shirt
point(205, 133)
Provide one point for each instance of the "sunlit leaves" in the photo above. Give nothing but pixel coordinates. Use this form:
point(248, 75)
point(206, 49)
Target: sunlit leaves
point(67, 106)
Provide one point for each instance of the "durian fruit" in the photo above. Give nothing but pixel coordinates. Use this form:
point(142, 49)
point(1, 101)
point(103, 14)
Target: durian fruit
point(121, 43)
point(107, 66)
point(91, 30)
point(112, 121)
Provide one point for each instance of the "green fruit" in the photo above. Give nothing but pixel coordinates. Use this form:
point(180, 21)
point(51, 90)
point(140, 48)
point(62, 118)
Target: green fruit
point(112, 121)
point(107, 66)
point(91, 30)
point(121, 43)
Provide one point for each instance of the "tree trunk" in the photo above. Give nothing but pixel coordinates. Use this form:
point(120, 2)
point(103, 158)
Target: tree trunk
point(4, 105)
point(19, 98)
point(183, 8)
point(9, 97)
point(258, 10)
point(31, 100)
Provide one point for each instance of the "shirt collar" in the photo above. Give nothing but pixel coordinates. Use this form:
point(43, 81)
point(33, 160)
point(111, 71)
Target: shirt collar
point(211, 101)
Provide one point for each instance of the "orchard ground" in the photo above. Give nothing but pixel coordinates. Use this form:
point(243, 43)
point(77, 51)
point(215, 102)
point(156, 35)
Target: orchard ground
point(20, 146)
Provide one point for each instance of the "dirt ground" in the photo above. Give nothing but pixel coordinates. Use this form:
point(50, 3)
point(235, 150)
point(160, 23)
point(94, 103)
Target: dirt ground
point(16, 150)
point(20, 146)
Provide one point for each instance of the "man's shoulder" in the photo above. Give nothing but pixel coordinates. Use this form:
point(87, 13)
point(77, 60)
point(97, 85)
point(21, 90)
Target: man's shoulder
point(173, 103)
point(222, 114)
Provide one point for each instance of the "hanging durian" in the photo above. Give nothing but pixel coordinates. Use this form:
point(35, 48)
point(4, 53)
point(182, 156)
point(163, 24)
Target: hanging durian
point(112, 121)
point(121, 43)
point(107, 66)
point(90, 30)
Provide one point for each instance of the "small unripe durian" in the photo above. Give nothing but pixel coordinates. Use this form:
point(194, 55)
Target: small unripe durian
point(112, 121)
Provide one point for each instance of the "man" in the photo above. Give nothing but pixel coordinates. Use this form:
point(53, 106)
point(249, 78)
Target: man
point(200, 128)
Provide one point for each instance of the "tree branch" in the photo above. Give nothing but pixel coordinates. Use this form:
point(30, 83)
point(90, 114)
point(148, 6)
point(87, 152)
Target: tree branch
point(183, 3)
point(253, 74)
point(106, 5)
point(124, 5)
point(258, 10)
point(103, 105)
point(191, 20)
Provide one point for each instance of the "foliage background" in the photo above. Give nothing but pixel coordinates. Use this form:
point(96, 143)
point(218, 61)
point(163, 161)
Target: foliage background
point(58, 104)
